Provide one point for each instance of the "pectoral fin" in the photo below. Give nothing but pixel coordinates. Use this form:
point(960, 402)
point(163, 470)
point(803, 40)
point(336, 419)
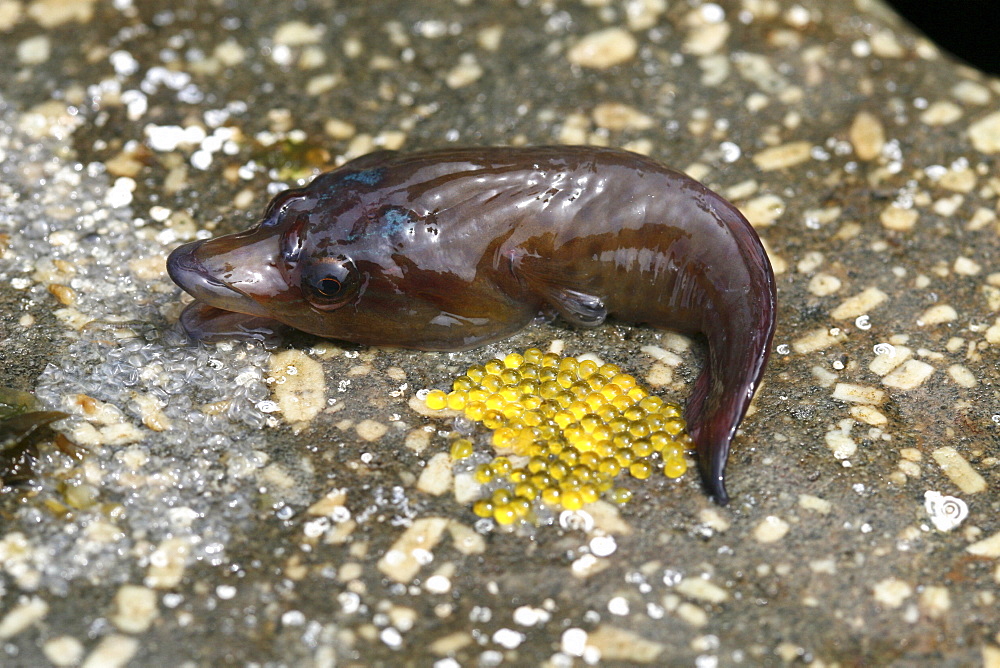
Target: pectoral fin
point(202, 322)
point(547, 281)
point(578, 308)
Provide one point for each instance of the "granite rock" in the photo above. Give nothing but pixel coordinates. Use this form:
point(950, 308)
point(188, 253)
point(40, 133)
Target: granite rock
point(202, 526)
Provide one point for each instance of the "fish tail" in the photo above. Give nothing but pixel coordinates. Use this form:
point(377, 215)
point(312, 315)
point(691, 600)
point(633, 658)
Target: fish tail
point(733, 368)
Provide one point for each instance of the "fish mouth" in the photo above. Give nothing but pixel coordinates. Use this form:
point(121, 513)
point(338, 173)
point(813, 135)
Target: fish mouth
point(187, 270)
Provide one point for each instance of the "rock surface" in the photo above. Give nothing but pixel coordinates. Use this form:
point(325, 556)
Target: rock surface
point(203, 525)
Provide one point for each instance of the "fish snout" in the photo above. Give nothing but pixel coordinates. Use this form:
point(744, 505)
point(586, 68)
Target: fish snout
point(187, 269)
point(237, 272)
point(182, 262)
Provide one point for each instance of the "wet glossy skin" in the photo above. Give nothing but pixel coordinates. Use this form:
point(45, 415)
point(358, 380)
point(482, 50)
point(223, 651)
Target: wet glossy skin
point(448, 250)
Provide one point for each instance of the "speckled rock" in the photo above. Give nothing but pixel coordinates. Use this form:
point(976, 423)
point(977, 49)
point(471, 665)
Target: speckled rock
point(220, 515)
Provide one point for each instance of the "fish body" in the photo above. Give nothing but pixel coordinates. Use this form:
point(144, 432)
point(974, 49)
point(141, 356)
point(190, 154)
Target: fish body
point(452, 249)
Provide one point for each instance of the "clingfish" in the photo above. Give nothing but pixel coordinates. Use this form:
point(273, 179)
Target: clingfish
point(456, 248)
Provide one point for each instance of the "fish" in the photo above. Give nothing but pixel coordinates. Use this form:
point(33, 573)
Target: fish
point(455, 248)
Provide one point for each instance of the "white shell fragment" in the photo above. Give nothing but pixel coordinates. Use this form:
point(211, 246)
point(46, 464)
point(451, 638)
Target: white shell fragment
point(576, 520)
point(946, 512)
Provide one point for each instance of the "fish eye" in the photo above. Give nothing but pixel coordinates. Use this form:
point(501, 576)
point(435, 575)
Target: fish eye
point(330, 283)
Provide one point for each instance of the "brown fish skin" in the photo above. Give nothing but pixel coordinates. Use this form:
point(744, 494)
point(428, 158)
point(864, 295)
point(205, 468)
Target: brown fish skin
point(452, 249)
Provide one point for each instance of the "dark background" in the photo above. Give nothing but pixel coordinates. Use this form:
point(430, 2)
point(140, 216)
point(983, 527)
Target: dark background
point(969, 29)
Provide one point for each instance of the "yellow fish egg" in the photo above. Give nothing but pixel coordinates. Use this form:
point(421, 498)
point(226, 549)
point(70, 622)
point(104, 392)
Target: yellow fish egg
point(483, 474)
point(640, 470)
point(552, 496)
point(483, 508)
point(510, 377)
point(620, 495)
point(463, 384)
point(574, 426)
point(494, 367)
point(436, 400)
point(533, 356)
point(674, 467)
point(609, 370)
point(529, 371)
point(475, 410)
point(461, 448)
point(513, 360)
point(456, 400)
point(572, 500)
point(587, 368)
point(505, 514)
point(569, 364)
point(550, 359)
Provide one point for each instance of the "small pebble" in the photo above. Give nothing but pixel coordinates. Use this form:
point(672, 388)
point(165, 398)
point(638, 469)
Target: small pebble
point(603, 49)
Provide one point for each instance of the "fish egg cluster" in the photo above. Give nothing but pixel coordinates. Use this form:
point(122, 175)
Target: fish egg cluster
point(565, 430)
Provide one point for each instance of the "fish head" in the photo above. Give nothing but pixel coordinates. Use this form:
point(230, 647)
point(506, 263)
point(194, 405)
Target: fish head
point(348, 257)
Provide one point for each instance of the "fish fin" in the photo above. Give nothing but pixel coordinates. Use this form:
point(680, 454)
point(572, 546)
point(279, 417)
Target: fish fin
point(712, 452)
point(575, 306)
point(721, 397)
point(202, 322)
point(579, 308)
